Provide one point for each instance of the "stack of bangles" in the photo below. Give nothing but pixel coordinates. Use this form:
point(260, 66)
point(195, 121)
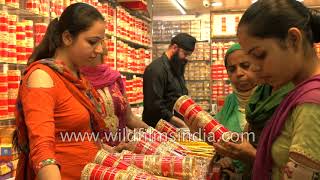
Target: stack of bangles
point(153, 135)
point(143, 146)
point(198, 119)
point(185, 167)
point(167, 129)
point(96, 171)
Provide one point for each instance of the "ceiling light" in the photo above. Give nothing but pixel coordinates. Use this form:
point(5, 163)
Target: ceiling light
point(182, 3)
point(216, 4)
point(179, 7)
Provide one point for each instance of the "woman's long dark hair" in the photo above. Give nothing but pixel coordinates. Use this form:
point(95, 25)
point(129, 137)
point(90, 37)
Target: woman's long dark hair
point(75, 19)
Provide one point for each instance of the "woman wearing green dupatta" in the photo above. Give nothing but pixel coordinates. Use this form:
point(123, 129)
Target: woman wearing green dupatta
point(259, 103)
point(232, 114)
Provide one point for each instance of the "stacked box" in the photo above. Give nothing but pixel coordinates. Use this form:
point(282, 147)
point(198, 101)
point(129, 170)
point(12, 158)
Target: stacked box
point(110, 57)
point(33, 6)
point(132, 28)
point(12, 3)
point(197, 71)
point(185, 27)
point(14, 77)
point(134, 89)
point(130, 59)
point(200, 92)
point(205, 30)
point(159, 49)
point(12, 43)
point(195, 29)
point(4, 36)
point(21, 43)
point(40, 31)
point(29, 37)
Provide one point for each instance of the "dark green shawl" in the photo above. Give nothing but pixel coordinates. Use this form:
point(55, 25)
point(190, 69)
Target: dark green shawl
point(263, 103)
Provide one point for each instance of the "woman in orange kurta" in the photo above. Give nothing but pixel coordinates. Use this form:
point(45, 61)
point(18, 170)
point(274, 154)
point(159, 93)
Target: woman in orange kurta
point(55, 101)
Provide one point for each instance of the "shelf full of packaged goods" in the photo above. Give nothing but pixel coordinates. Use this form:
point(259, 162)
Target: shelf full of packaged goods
point(200, 98)
point(7, 122)
point(12, 66)
point(18, 64)
point(133, 43)
point(137, 14)
point(198, 61)
point(168, 42)
point(224, 38)
point(132, 12)
point(198, 80)
point(22, 12)
point(227, 80)
point(109, 35)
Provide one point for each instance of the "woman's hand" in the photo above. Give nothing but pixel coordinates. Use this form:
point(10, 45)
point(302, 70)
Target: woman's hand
point(300, 167)
point(226, 163)
point(179, 123)
point(108, 148)
point(244, 151)
point(124, 146)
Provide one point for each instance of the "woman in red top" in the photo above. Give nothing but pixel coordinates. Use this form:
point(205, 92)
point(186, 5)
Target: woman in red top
point(55, 101)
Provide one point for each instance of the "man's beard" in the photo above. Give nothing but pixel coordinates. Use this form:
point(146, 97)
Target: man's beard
point(177, 64)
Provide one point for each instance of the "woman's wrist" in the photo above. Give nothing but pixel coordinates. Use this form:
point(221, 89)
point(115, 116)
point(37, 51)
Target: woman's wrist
point(252, 154)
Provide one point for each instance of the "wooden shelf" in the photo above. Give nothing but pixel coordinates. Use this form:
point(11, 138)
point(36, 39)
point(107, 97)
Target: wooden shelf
point(226, 80)
point(198, 80)
point(22, 12)
point(133, 44)
point(195, 61)
point(13, 64)
point(131, 74)
point(201, 99)
point(168, 42)
point(224, 38)
point(137, 14)
point(110, 35)
point(129, 42)
point(7, 122)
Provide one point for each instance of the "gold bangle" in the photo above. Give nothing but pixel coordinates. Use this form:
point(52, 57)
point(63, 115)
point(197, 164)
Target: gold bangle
point(189, 109)
point(160, 125)
point(180, 101)
point(204, 119)
point(86, 172)
point(101, 155)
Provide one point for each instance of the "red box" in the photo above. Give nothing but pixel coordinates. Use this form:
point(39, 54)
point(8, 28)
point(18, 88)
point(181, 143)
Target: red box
point(134, 4)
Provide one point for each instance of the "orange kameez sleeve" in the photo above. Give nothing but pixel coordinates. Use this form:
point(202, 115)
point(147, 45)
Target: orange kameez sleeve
point(38, 106)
